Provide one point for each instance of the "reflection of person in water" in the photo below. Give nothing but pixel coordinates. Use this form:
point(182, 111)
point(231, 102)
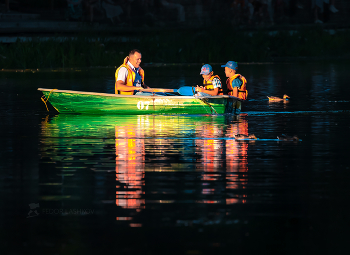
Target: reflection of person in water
point(129, 166)
point(218, 154)
point(236, 158)
point(210, 149)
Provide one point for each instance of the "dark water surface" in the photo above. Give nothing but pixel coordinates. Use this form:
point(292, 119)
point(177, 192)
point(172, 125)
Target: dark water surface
point(74, 184)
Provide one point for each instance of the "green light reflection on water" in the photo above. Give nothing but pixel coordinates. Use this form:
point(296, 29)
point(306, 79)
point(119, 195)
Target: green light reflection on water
point(131, 146)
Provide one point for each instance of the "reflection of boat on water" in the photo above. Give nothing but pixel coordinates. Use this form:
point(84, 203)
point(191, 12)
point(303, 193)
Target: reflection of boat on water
point(144, 151)
point(68, 101)
point(103, 126)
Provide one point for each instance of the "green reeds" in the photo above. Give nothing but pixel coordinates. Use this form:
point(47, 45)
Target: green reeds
point(54, 53)
point(170, 47)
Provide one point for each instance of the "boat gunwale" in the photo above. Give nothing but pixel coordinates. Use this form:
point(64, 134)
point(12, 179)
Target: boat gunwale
point(131, 96)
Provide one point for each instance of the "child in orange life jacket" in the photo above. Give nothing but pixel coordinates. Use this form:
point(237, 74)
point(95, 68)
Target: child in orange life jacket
point(211, 83)
point(236, 83)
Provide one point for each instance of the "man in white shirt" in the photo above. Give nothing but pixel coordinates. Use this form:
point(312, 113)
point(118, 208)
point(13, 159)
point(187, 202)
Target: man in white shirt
point(130, 76)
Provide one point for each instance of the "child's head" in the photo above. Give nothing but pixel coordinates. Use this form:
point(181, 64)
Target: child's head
point(206, 71)
point(230, 68)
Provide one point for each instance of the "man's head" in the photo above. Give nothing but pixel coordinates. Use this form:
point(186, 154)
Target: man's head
point(206, 71)
point(135, 58)
point(230, 68)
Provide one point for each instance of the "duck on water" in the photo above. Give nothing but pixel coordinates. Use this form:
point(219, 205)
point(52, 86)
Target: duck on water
point(278, 99)
point(245, 137)
point(288, 138)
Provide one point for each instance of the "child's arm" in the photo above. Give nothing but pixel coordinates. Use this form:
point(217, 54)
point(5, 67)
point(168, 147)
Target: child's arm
point(213, 92)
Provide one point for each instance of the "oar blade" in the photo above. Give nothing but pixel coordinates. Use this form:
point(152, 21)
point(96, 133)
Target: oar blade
point(183, 91)
point(186, 91)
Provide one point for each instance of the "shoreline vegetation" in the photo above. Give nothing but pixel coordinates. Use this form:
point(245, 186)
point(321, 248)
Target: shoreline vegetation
point(169, 48)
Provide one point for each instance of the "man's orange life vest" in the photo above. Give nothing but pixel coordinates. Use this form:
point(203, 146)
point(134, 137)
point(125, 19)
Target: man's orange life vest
point(129, 79)
point(242, 90)
point(209, 84)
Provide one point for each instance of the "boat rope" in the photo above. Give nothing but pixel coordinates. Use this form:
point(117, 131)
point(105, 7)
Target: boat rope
point(205, 101)
point(202, 103)
point(44, 99)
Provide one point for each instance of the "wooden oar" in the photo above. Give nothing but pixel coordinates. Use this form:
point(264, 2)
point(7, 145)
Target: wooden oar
point(184, 91)
point(159, 90)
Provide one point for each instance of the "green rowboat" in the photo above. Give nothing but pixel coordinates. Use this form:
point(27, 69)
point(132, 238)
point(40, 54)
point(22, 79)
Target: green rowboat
point(68, 101)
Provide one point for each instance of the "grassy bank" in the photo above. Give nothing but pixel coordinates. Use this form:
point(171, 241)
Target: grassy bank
point(175, 47)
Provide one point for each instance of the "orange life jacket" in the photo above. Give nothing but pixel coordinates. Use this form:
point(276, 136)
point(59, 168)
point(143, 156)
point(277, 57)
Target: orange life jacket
point(242, 90)
point(209, 84)
point(129, 79)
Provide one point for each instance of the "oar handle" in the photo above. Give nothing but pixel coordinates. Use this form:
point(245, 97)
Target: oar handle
point(159, 90)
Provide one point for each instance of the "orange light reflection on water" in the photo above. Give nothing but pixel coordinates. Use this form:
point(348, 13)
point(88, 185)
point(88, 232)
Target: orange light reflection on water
point(129, 167)
point(236, 159)
point(222, 160)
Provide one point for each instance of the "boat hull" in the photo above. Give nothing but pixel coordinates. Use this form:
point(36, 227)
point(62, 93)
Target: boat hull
point(67, 101)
